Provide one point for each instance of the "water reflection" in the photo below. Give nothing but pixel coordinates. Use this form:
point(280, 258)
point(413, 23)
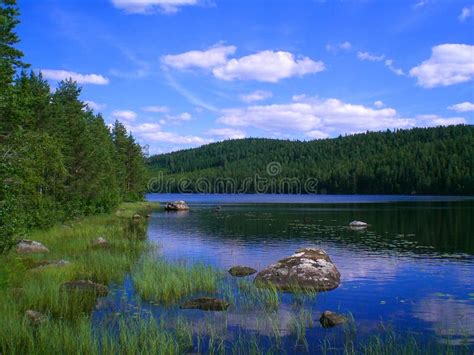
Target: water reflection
point(392, 272)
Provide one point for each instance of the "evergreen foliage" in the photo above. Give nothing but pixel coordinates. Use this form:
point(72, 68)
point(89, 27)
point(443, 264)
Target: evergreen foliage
point(437, 160)
point(57, 158)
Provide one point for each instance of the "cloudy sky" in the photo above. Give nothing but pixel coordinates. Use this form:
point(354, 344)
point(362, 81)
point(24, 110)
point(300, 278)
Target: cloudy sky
point(182, 73)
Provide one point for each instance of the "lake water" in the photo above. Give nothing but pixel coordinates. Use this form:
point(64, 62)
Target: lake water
point(411, 271)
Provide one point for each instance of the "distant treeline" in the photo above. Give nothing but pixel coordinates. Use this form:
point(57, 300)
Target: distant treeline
point(57, 158)
point(436, 160)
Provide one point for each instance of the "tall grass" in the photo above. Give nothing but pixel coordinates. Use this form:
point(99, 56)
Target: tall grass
point(162, 282)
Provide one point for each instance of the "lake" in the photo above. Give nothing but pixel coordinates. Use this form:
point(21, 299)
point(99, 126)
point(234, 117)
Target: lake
point(410, 272)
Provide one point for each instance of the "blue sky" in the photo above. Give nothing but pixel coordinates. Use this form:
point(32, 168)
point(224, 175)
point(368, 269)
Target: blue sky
point(182, 73)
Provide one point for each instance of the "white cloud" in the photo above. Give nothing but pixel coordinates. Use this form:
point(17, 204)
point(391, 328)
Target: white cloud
point(314, 117)
point(389, 65)
point(334, 48)
point(95, 105)
point(379, 104)
point(466, 12)
point(226, 133)
point(170, 137)
point(370, 57)
point(208, 59)
point(156, 109)
point(144, 128)
point(449, 64)
point(462, 107)
point(148, 6)
point(378, 58)
point(435, 120)
point(257, 95)
point(420, 4)
point(317, 134)
point(58, 75)
point(346, 45)
point(267, 66)
point(185, 116)
point(125, 115)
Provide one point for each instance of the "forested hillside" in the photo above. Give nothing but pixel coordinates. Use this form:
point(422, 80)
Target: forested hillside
point(421, 160)
point(57, 158)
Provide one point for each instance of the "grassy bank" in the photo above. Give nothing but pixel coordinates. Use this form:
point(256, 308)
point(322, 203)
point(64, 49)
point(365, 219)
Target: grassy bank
point(26, 284)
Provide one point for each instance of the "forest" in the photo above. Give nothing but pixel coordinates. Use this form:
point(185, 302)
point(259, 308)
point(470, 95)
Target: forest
point(437, 160)
point(58, 160)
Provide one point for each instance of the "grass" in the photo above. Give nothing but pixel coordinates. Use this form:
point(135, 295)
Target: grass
point(161, 282)
point(68, 325)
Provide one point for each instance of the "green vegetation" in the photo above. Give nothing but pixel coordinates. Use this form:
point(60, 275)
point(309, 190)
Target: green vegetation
point(423, 160)
point(58, 160)
point(161, 282)
point(67, 328)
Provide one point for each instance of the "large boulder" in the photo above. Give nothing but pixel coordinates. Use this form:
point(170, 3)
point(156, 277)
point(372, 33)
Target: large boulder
point(240, 271)
point(177, 206)
point(206, 304)
point(26, 246)
point(308, 268)
point(85, 286)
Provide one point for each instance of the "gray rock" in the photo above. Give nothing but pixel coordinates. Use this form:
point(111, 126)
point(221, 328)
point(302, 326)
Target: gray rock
point(51, 263)
point(308, 268)
point(330, 319)
point(85, 286)
point(36, 318)
point(240, 271)
point(100, 243)
point(358, 224)
point(26, 246)
point(206, 304)
point(136, 216)
point(176, 206)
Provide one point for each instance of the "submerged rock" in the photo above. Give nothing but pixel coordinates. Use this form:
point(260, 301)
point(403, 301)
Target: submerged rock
point(176, 206)
point(240, 271)
point(308, 268)
point(26, 246)
point(358, 224)
point(85, 286)
point(330, 319)
point(206, 304)
point(36, 318)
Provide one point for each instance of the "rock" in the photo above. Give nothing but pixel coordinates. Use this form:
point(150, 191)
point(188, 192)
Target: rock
point(217, 208)
point(100, 242)
point(308, 268)
point(52, 263)
point(148, 215)
point(86, 286)
point(26, 246)
point(176, 206)
point(36, 318)
point(330, 319)
point(240, 271)
point(136, 216)
point(358, 224)
point(206, 304)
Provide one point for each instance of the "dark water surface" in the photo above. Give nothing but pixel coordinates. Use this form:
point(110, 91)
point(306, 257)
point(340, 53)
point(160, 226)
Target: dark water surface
point(411, 271)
